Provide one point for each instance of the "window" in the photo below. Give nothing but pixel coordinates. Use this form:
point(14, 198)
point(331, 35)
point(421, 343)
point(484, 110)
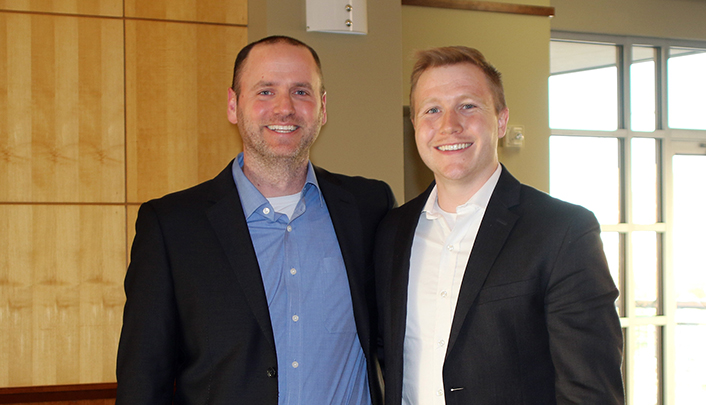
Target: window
point(628, 123)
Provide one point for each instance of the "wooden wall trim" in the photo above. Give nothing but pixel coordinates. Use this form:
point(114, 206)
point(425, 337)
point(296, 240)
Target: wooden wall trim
point(120, 17)
point(484, 6)
point(53, 393)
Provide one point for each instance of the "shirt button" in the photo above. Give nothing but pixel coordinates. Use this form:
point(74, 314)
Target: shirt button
point(293, 271)
point(289, 228)
point(295, 318)
point(441, 343)
point(295, 364)
point(444, 294)
point(450, 248)
point(265, 210)
point(439, 393)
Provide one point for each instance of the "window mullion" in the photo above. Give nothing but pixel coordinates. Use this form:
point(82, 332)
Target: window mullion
point(669, 300)
point(624, 63)
point(661, 87)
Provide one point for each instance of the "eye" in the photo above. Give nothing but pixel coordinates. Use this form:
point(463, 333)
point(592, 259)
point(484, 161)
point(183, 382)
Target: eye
point(432, 110)
point(265, 92)
point(301, 92)
point(467, 106)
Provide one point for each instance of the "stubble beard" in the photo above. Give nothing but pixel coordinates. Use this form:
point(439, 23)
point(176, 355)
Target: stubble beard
point(272, 161)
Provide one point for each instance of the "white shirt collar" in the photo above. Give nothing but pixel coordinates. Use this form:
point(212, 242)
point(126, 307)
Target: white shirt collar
point(479, 200)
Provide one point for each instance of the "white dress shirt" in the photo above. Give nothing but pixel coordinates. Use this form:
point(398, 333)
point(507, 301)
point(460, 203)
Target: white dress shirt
point(442, 245)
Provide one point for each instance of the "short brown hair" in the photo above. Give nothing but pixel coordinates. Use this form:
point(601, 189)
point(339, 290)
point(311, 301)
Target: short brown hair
point(275, 39)
point(452, 55)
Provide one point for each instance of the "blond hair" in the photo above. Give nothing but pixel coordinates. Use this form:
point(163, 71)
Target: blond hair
point(452, 55)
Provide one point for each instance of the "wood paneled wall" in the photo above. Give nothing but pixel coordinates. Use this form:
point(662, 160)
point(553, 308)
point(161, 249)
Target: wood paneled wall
point(104, 104)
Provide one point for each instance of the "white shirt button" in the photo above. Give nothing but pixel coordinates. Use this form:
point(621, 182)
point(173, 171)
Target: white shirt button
point(293, 271)
point(295, 364)
point(441, 343)
point(440, 393)
point(289, 228)
point(450, 248)
point(444, 294)
point(295, 318)
point(265, 210)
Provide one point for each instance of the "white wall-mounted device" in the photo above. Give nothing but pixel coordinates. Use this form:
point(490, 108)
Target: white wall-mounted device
point(337, 16)
point(515, 136)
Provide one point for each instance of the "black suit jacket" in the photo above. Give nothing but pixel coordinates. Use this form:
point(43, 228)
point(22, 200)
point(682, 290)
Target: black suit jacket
point(196, 326)
point(535, 321)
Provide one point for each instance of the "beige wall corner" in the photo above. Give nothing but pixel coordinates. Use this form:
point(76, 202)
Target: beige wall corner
point(518, 45)
point(363, 77)
point(675, 19)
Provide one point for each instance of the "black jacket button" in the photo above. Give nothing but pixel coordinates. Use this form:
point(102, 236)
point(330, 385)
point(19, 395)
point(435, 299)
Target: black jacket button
point(272, 372)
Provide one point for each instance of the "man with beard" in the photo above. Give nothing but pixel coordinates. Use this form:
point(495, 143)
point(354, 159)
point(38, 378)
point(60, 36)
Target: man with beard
point(256, 287)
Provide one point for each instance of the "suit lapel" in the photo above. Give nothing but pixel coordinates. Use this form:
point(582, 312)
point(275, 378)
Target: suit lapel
point(494, 230)
point(402, 251)
point(228, 221)
point(345, 217)
point(346, 220)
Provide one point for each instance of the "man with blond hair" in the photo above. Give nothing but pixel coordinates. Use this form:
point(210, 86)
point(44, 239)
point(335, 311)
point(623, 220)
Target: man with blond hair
point(489, 291)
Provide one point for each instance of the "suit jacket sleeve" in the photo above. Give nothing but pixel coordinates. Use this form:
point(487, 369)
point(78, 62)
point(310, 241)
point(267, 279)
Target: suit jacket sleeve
point(583, 325)
point(149, 343)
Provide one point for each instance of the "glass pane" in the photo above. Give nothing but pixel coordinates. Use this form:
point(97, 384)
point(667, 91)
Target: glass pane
point(645, 272)
point(583, 86)
point(690, 278)
point(646, 366)
point(586, 171)
point(690, 360)
point(686, 86)
point(642, 89)
point(644, 180)
point(611, 247)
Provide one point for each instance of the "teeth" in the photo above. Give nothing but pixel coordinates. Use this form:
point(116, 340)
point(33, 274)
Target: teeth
point(456, 146)
point(282, 129)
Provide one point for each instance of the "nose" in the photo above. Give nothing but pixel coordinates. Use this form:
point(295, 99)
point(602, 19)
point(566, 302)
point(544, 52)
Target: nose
point(450, 124)
point(284, 105)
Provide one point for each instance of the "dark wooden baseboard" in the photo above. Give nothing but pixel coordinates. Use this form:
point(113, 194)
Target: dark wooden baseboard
point(57, 393)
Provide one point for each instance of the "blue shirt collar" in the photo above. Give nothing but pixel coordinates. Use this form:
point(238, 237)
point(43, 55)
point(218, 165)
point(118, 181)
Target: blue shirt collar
point(251, 198)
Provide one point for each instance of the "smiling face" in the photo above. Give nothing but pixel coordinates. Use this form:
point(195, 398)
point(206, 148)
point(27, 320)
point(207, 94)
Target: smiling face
point(280, 108)
point(456, 125)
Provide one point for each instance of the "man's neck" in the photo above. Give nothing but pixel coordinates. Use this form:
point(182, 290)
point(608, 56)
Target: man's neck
point(276, 178)
point(453, 193)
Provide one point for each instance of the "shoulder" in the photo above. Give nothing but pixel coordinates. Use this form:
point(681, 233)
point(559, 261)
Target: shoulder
point(541, 217)
point(542, 205)
point(197, 197)
point(356, 183)
point(408, 214)
point(533, 204)
point(364, 190)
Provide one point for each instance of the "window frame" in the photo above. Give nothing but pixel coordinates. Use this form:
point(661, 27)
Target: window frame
point(665, 319)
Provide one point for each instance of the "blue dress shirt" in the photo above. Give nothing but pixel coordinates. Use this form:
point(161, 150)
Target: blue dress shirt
point(319, 357)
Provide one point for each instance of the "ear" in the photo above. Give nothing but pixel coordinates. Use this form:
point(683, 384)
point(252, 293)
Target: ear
point(503, 117)
point(323, 108)
point(232, 106)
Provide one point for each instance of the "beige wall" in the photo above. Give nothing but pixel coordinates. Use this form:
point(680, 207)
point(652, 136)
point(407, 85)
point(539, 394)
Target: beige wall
point(676, 19)
point(363, 76)
point(518, 45)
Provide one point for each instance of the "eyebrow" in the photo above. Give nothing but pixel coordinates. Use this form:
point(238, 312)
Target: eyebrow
point(270, 84)
point(476, 99)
